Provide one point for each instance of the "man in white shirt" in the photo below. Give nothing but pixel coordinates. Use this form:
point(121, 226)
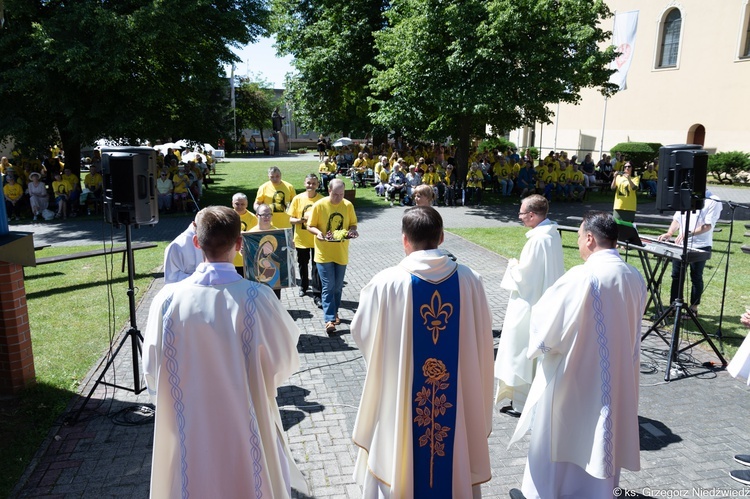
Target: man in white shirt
point(539, 266)
point(425, 330)
point(701, 236)
point(215, 350)
point(583, 405)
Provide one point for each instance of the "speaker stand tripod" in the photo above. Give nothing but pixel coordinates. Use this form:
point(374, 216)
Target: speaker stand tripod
point(678, 308)
point(132, 334)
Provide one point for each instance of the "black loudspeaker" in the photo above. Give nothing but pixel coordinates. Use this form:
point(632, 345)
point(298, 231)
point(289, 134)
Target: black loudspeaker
point(130, 185)
point(681, 184)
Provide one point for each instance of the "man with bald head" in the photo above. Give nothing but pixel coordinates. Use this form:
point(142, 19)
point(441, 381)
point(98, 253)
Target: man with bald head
point(333, 222)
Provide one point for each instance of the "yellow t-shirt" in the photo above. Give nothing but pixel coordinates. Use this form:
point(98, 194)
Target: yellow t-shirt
point(625, 197)
point(326, 217)
point(431, 178)
point(299, 208)
point(92, 181)
point(278, 198)
point(180, 184)
point(248, 220)
point(61, 187)
point(13, 192)
point(474, 179)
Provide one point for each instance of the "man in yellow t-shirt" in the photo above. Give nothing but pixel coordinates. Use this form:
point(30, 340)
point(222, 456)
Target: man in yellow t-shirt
point(304, 241)
point(277, 194)
point(248, 220)
point(649, 178)
point(327, 217)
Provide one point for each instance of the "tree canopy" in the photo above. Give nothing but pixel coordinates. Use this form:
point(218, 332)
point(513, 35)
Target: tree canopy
point(80, 70)
point(255, 101)
point(441, 68)
point(333, 45)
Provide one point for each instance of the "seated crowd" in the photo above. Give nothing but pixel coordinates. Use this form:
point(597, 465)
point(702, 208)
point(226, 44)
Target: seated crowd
point(45, 188)
point(395, 174)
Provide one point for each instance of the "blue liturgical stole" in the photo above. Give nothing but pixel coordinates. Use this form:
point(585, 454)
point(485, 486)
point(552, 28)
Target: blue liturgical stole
point(435, 322)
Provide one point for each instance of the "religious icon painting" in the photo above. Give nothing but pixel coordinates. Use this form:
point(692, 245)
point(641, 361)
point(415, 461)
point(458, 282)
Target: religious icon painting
point(269, 257)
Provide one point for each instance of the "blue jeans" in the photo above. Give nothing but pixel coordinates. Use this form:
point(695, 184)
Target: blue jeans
point(332, 283)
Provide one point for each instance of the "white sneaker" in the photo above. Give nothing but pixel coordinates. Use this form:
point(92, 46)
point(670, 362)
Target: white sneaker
point(391, 204)
point(36, 217)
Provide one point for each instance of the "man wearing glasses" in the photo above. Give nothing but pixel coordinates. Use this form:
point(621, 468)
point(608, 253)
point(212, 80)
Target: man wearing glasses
point(540, 265)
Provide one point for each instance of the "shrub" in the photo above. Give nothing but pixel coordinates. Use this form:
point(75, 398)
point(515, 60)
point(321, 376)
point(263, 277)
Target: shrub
point(500, 143)
point(638, 153)
point(725, 165)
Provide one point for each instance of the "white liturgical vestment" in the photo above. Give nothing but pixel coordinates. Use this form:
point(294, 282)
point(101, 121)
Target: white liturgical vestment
point(181, 257)
point(540, 265)
point(740, 365)
point(215, 350)
point(584, 398)
point(382, 329)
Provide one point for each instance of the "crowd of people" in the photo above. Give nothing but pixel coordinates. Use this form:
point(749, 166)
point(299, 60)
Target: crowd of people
point(46, 188)
point(394, 175)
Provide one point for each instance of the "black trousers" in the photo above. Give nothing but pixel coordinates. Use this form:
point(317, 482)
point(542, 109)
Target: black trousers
point(304, 257)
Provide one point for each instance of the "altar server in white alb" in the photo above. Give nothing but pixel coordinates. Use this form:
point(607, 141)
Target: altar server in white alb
point(583, 404)
point(216, 348)
point(425, 330)
point(540, 265)
point(740, 368)
point(181, 257)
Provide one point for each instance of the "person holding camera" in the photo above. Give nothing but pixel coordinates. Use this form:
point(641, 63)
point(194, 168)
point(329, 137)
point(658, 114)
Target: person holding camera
point(625, 185)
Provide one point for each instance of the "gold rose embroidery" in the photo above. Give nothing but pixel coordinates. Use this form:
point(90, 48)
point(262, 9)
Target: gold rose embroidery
point(436, 315)
point(436, 376)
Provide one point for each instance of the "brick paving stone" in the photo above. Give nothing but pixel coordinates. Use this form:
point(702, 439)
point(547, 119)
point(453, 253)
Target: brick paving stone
point(690, 428)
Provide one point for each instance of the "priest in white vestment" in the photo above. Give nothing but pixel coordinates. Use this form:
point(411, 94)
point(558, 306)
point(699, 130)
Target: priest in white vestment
point(740, 368)
point(540, 265)
point(425, 330)
point(583, 405)
point(216, 348)
point(181, 256)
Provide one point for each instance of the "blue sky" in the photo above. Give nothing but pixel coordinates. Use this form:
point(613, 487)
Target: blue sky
point(260, 59)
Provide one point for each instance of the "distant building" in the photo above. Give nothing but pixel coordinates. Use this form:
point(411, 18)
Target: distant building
point(687, 83)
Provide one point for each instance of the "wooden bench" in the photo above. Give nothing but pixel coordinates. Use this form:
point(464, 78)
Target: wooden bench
point(92, 253)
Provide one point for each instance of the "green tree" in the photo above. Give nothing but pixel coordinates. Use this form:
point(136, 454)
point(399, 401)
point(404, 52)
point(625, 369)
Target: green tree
point(255, 101)
point(333, 47)
point(77, 71)
point(454, 66)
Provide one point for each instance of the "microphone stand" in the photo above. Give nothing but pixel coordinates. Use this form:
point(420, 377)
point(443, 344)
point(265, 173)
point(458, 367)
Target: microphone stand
point(719, 332)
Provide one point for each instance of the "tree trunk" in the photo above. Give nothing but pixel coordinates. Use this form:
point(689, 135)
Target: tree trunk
point(71, 144)
point(463, 148)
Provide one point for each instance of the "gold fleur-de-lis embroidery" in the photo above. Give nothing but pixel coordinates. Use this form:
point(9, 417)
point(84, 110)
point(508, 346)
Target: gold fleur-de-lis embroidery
point(436, 315)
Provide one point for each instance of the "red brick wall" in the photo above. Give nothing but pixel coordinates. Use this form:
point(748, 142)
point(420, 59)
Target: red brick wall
point(16, 356)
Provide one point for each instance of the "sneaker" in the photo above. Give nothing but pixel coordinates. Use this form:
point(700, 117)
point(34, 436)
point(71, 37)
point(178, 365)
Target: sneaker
point(36, 217)
point(516, 494)
point(743, 459)
point(318, 302)
point(742, 476)
point(391, 204)
point(330, 327)
point(302, 292)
